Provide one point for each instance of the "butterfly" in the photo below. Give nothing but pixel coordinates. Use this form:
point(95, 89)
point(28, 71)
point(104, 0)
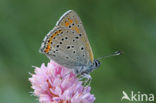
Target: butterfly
point(68, 45)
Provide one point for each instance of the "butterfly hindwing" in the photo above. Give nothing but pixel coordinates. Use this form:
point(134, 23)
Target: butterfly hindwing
point(65, 47)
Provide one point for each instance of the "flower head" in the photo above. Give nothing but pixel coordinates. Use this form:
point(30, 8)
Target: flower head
point(56, 84)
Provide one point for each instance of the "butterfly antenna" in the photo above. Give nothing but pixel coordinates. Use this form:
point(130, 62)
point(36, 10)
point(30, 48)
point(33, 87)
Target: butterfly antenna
point(113, 54)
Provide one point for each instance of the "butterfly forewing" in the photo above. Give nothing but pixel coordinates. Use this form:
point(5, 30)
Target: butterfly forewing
point(71, 20)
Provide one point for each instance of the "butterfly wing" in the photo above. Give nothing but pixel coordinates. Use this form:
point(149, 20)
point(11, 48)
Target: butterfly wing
point(72, 21)
point(65, 47)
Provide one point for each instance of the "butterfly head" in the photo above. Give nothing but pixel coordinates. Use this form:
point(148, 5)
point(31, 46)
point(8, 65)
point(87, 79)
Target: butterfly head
point(96, 63)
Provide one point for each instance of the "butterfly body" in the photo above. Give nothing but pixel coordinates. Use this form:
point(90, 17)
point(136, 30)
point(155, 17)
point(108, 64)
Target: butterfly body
point(68, 45)
point(88, 68)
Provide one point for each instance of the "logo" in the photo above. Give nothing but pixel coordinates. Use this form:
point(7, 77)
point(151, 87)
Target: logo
point(137, 96)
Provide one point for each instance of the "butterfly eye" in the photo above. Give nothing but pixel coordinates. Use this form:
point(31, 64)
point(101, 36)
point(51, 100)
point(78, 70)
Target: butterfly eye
point(96, 64)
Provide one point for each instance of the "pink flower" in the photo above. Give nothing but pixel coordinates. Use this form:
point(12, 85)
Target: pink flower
point(57, 84)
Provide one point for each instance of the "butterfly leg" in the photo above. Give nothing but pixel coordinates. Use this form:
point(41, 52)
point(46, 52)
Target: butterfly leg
point(86, 78)
point(83, 76)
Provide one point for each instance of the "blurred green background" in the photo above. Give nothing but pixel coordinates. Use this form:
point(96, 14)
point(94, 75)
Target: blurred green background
point(128, 25)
